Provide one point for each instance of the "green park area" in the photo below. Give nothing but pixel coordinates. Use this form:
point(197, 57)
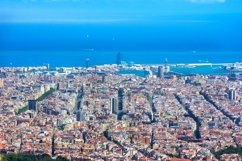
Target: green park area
point(41, 98)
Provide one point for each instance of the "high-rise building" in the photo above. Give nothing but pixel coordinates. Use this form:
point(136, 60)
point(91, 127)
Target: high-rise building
point(80, 115)
point(82, 90)
point(166, 69)
point(1, 83)
point(120, 99)
point(161, 70)
point(32, 104)
point(232, 94)
point(53, 145)
point(103, 78)
point(113, 105)
point(58, 86)
point(47, 66)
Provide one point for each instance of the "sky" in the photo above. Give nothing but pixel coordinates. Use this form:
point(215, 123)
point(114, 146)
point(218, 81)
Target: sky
point(121, 24)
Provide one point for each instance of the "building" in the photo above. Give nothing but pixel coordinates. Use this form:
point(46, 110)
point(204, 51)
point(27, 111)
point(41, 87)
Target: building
point(161, 70)
point(113, 105)
point(1, 83)
point(80, 115)
point(32, 104)
point(58, 86)
point(120, 99)
point(103, 78)
point(232, 94)
point(47, 66)
point(166, 69)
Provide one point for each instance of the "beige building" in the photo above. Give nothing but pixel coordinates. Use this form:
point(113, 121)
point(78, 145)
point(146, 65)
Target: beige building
point(1, 83)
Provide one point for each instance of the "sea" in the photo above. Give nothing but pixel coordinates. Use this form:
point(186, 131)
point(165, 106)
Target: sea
point(68, 45)
point(78, 59)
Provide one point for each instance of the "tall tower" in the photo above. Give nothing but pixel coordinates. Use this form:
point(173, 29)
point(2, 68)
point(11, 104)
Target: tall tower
point(161, 71)
point(119, 58)
point(167, 67)
point(80, 115)
point(120, 99)
point(82, 90)
point(53, 144)
point(47, 66)
point(32, 104)
point(166, 61)
point(58, 86)
point(103, 78)
point(1, 83)
point(232, 94)
point(113, 105)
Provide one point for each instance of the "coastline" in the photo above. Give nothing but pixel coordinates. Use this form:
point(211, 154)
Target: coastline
point(136, 69)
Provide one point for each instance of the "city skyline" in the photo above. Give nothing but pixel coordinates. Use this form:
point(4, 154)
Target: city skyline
point(99, 114)
point(120, 80)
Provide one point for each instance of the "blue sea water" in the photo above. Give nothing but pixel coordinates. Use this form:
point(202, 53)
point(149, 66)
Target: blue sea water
point(140, 73)
point(207, 70)
point(67, 44)
point(77, 58)
point(222, 35)
point(143, 43)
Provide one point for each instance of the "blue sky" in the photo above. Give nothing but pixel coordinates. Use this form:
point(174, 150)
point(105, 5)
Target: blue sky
point(121, 24)
point(97, 11)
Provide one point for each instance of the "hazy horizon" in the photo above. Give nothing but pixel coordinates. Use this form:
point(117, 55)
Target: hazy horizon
point(118, 25)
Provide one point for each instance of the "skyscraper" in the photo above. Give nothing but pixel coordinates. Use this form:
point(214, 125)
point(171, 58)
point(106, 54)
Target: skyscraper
point(58, 86)
point(80, 115)
point(32, 104)
point(120, 99)
point(103, 78)
point(47, 66)
point(161, 72)
point(1, 83)
point(232, 94)
point(113, 105)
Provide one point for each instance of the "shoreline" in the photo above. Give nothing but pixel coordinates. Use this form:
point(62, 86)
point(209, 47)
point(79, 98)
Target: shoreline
point(134, 65)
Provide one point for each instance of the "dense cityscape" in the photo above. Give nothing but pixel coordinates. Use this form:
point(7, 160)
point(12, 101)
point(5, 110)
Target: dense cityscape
point(95, 113)
point(120, 80)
